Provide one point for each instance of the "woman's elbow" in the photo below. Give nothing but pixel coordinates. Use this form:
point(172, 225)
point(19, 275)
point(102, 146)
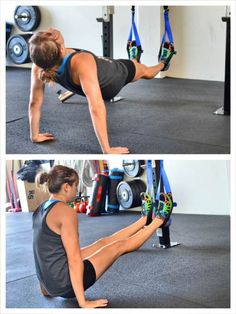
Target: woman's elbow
point(96, 107)
point(34, 105)
point(74, 261)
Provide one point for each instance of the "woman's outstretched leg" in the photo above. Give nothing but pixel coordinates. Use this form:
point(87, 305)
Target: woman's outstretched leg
point(149, 72)
point(146, 72)
point(107, 255)
point(121, 234)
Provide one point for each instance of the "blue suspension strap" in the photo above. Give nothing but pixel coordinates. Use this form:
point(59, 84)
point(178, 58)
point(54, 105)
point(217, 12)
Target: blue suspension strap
point(167, 31)
point(163, 180)
point(134, 47)
point(166, 194)
point(149, 177)
point(167, 43)
point(148, 197)
point(163, 198)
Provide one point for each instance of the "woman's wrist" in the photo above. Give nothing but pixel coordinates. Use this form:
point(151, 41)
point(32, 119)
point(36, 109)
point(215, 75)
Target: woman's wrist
point(106, 149)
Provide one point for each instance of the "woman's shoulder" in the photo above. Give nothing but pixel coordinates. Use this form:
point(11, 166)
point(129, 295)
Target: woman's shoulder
point(65, 209)
point(82, 60)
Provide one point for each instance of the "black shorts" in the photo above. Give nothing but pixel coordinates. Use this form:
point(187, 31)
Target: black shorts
point(89, 278)
point(131, 69)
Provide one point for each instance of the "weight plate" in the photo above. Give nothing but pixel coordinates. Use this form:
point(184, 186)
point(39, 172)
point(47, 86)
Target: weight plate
point(27, 18)
point(132, 168)
point(138, 187)
point(128, 193)
point(18, 48)
point(124, 195)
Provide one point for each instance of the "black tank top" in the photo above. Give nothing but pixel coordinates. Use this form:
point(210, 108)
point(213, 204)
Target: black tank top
point(112, 75)
point(49, 254)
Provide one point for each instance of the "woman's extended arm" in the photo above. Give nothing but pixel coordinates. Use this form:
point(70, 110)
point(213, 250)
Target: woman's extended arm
point(70, 239)
point(86, 70)
point(35, 104)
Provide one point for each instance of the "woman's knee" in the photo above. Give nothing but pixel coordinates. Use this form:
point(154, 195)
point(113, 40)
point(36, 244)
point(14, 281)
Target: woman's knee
point(141, 70)
point(118, 246)
point(122, 246)
point(103, 241)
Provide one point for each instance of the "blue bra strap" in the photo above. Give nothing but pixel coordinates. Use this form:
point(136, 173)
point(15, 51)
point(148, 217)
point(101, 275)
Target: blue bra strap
point(63, 64)
point(49, 203)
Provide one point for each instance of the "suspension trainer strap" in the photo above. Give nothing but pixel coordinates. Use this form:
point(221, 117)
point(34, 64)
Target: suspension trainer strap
point(166, 50)
point(163, 179)
point(134, 47)
point(149, 176)
point(168, 30)
point(134, 30)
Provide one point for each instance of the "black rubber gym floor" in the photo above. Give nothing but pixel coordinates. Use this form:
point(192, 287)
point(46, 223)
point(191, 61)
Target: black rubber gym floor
point(165, 116)
point(195, 274)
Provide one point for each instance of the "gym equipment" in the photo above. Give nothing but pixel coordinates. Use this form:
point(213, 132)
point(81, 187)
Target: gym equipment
point(8, 30)
point(158, 184)
point(225, 110)
point(27, 18)
point(107, 30)
point(64, 96)
point(147, 206)
point(11, 191)
point(133, 168)
point(98, 199)
point(116, 176)
point(134, 47)
point(107, 36)
point(166, 46)
point(76, 203)
point(71, 204)
point(82, 208)
point(128, 193)
point(18, 48)
point(29, 170)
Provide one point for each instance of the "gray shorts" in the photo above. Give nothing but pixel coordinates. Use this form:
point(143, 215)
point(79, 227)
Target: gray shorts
point(131, 69)
point(89, 279)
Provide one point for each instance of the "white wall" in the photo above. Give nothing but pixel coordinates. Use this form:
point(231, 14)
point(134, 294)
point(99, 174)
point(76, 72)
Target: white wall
point(199, 36)
point(198, 186)
point(198, 31)
point(77, 23)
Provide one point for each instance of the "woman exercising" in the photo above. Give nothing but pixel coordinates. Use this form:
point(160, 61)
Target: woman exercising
point(85, 74)
point(63, 267)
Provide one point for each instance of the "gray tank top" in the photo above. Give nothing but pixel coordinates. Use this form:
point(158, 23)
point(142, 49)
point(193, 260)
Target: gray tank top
point(112, 75)
point(49, 254)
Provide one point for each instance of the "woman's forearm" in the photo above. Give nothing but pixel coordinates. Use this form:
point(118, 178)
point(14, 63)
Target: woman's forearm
point(99, 120)
point(76, 268)
point(34, 120)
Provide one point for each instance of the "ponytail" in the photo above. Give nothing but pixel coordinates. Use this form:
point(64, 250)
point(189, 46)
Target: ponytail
point(47, 75)
point(41, 181)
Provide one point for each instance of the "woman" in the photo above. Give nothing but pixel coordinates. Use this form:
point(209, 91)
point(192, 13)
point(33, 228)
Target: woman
point(63, 267)
point(83, 73)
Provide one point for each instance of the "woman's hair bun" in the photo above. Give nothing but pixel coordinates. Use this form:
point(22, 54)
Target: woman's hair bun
point(43, 177)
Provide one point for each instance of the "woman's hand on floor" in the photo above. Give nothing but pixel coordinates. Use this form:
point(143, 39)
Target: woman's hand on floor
point(43, 137)
point(117, 150)
point(95, 303)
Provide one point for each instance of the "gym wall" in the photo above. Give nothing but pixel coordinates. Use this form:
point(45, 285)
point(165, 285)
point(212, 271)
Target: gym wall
point(199, 186)
point(198, 32)
point(199, 36)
